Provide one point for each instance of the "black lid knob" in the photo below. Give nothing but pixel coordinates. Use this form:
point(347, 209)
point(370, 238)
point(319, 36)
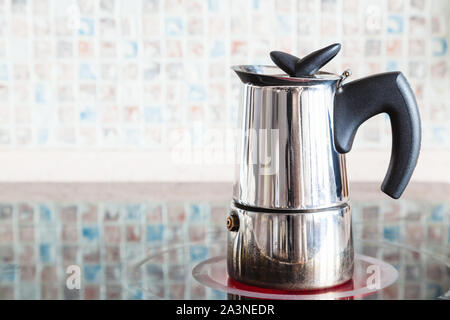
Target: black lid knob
point(309, 65)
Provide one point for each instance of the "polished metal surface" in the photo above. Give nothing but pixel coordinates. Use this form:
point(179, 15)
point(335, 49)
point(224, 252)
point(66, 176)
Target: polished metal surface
point(291, 251)
point(286, 155)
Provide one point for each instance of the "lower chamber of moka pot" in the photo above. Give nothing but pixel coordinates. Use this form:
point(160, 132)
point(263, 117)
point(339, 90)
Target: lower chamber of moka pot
point(287, 250)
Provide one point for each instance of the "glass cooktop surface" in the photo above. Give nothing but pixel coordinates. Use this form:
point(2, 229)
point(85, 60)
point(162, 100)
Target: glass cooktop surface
point(168, 242)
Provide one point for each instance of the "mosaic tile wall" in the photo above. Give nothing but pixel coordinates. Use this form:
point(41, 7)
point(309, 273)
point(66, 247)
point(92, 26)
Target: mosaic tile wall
point(39, 240)
point(143, 73)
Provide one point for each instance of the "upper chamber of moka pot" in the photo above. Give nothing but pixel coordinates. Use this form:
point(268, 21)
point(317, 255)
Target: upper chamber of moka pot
point(286, 155)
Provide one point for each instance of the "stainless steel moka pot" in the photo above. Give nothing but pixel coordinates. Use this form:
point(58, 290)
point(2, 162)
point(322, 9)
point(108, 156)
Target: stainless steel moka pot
point(290, 220)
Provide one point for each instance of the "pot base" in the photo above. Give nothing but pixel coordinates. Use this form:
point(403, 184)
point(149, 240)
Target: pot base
point(291, 251)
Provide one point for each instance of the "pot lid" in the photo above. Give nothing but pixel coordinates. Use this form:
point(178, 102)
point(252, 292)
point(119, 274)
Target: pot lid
point(291, 70)
point(262, 75)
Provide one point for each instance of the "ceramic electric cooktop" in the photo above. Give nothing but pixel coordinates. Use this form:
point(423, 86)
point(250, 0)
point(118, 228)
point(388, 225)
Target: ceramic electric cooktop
point(143, 241)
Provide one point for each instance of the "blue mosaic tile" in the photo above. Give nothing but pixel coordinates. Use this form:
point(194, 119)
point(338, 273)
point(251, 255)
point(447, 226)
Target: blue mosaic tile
point(395, 24)
point(174, 26)
point(46, 252)
point(155, 233)
point(438, 213)
point(86, 72)
point(87, 27)
point(4, 76)
point(92, 273)
point(153, 114)
point(46, 214)
point(8, 273)
point(392, 233)
point(198, 253)
point(91, 233)
point(440, 47)
point(134, 212)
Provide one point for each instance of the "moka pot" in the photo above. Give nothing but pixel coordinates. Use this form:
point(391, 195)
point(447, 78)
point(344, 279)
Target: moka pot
point(290, 219)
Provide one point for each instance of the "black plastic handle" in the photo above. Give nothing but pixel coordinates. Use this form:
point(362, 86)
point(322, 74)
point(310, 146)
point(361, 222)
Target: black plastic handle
point(357, 101)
